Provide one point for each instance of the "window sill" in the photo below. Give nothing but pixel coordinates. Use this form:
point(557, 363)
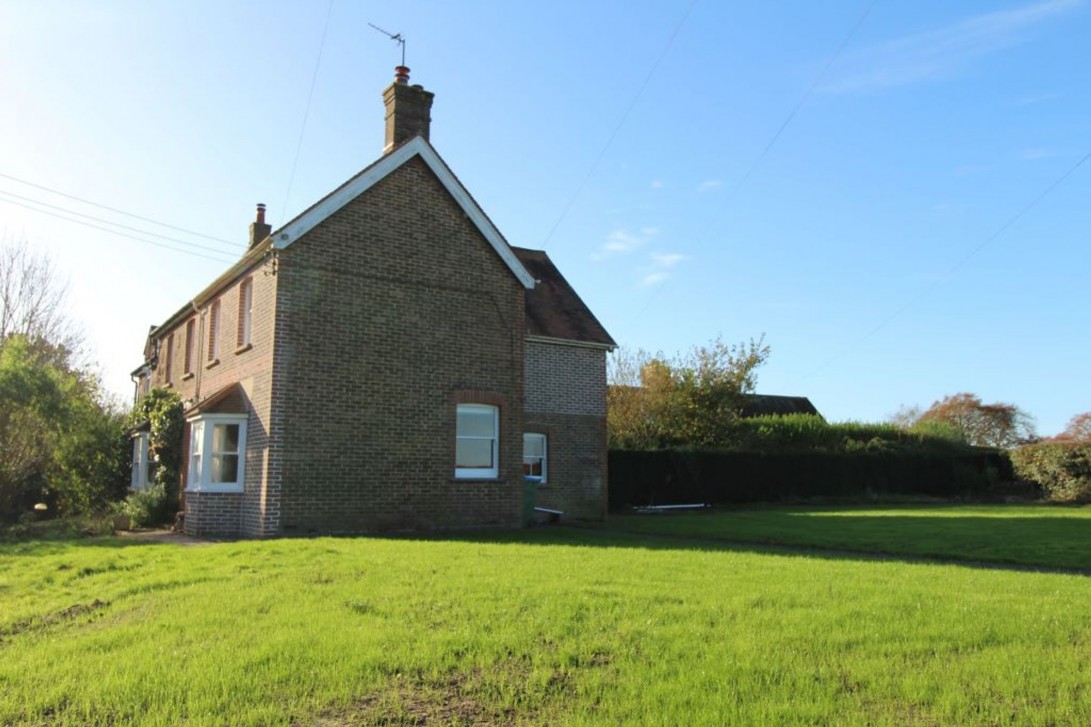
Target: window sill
point(218, 489)
point(243, 348)
point(213, 362)
point(188, 376)
point(497, 480)
point(168, 385)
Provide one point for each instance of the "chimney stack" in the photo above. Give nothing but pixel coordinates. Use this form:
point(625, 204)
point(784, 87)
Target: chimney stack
point(408, 110)
point(259, 230)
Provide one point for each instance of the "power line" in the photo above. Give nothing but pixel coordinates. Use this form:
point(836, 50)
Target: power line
point(109, 222)
point(115, 232)
point(307, 109)
point(620, 123)
point(118, 211)
point(954, 268)
point(776, 136)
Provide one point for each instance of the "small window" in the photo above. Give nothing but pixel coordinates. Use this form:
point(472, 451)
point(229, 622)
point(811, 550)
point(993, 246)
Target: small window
point(143, 469)
point(534, 457)
point(217, 453)
point(190, 326)
point(214, 331)
point(246, 302)
point(170, 358)
point(477, 439)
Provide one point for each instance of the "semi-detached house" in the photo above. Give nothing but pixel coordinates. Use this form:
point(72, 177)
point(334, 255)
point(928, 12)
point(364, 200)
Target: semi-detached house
point(384, 361)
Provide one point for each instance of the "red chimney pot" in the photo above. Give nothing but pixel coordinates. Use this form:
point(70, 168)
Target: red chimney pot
point(401, 74)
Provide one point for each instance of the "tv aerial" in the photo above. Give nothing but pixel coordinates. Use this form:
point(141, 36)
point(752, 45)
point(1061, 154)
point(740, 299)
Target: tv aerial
point(397, 37)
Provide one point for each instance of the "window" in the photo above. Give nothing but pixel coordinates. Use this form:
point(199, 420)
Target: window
point(170, 357)
point(534, 457)
point(143, 473)
point(246, 302)
point(217, 453)
point(214, 331)
point(190, 325)
point(476, 441)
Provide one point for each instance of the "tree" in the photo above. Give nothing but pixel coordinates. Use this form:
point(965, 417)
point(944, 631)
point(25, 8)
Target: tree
point(61, 439)
point(32, 300)
point(1078, 429)
point(693, 400)
point(983, 425)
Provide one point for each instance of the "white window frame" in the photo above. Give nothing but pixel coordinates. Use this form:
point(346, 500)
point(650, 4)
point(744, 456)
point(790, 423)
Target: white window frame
point(543, 478)
point(201, 453)
point(479, 473)
point(140, 475)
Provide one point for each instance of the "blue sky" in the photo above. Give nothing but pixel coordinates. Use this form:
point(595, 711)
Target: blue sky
point(882, 242)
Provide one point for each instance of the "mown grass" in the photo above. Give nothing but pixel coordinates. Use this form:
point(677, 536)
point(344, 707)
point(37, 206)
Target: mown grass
point(1037, 535)
point(546, 627)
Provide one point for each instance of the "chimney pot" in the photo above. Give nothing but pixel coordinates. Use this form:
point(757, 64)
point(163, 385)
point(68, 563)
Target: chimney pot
point(401, 74)
point(261, 213)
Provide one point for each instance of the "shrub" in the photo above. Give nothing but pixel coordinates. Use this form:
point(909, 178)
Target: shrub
point(149, 507)
point(1061, 469)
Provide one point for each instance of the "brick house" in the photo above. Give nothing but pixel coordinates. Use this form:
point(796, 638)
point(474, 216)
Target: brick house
point(384, 361)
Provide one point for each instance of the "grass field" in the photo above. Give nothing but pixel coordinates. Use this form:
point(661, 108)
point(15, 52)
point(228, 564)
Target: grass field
point(551, 626)
point(1037, 535)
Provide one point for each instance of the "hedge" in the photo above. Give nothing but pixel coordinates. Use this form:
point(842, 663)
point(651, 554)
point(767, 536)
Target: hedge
point(666, 477)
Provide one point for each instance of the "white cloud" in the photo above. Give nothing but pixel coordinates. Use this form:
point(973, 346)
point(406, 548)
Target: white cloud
point(1035, 154)
point(667, 260)
point(654, 279)
point(620, 242)
point(709, 184)
point(1037, 98)
point(656, 184)
point(942, 52)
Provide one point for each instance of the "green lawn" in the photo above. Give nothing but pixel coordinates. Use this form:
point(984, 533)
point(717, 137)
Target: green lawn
point(1038, 535)
point(551, 626)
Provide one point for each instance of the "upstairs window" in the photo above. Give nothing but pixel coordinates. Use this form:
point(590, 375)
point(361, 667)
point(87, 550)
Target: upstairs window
point(534, 457)
point(217, 453)
point(170, 358)
point(214, 331)
point(190, 327)
point(477, 440)
point(246, 302)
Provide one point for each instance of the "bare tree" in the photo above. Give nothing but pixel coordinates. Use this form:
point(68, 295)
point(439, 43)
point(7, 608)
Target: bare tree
point(32, 299)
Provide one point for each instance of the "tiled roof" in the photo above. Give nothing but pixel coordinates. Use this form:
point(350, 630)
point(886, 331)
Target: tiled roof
point(553, 309)
point(756, 405)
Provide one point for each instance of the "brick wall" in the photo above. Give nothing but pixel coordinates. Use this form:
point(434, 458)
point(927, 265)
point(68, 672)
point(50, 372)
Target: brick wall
point(566, 401)
point(254, 513)
point(386, 311)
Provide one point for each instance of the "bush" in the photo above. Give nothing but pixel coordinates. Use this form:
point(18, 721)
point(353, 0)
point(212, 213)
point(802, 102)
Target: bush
point(147, 508)
point(1061, 469)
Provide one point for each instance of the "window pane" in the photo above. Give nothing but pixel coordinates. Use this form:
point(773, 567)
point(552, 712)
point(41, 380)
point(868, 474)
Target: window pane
point(476, 422)
point(197, 436)
point(225, 468)
point(533, 445)
point(474, 453)
point(225, 438)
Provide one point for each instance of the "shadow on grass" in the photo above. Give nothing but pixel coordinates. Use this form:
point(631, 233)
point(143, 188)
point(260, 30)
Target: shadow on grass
point(1053, 541)
point(1020, 542)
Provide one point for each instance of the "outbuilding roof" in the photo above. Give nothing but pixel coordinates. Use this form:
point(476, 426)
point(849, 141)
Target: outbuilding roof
point(553, 309)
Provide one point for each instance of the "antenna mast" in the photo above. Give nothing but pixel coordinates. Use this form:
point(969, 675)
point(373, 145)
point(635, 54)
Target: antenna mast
point(397, 37)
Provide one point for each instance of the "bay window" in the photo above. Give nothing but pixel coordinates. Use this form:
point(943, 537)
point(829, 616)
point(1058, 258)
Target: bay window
point(217, 453)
